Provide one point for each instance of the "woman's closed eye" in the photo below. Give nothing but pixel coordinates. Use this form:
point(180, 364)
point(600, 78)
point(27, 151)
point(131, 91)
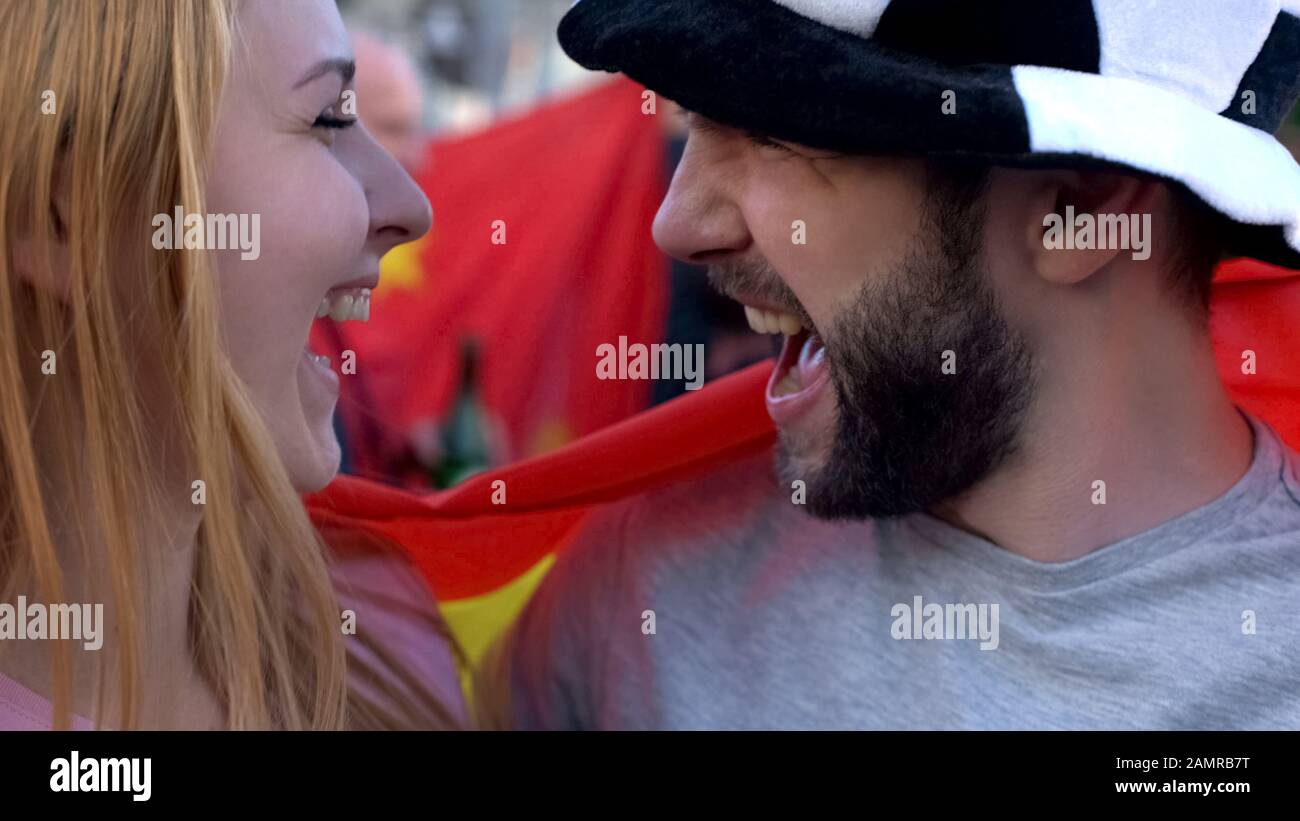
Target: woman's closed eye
point(327, 124)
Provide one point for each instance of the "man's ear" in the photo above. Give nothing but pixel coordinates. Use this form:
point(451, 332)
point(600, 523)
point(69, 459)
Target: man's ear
point(54, 277)
point(1067, 240)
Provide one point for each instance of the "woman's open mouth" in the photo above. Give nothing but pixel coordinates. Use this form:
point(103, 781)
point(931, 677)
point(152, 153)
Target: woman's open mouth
point(342, 304)
point(801, 374)
point(345, 304)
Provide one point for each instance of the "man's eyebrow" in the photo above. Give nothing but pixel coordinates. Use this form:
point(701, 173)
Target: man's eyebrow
point(346, 69)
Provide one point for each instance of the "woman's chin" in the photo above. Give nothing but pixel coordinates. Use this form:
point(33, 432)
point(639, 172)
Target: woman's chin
point(315, 464)
point(314, 461)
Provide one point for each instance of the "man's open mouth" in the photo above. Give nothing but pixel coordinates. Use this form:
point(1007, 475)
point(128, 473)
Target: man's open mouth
point(801, 372)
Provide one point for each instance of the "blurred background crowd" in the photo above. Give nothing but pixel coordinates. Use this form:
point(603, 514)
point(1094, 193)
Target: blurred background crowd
point(544, 180)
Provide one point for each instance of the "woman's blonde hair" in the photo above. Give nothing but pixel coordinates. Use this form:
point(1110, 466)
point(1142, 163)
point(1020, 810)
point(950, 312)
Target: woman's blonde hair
point(118, 100)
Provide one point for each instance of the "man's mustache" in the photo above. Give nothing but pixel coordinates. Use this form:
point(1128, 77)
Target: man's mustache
point(755, 280)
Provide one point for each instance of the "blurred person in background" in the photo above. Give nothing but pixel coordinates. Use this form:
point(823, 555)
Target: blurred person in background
point(389, 100)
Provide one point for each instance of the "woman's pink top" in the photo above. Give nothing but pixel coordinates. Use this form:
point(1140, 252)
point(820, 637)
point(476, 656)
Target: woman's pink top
point(393, 607)
point(21, 709)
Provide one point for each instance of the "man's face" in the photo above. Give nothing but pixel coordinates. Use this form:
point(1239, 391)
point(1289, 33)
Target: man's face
point(901, 383)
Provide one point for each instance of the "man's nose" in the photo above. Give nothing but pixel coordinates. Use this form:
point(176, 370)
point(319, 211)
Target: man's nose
point(698, 220)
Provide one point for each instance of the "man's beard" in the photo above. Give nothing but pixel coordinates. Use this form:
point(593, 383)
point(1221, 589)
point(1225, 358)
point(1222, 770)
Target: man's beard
point(908, 435)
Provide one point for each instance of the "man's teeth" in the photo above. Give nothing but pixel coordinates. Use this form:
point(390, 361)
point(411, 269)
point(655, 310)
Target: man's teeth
point(345, 305)
point(773, 322)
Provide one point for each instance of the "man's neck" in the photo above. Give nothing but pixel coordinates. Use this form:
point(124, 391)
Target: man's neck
point(1113, 447)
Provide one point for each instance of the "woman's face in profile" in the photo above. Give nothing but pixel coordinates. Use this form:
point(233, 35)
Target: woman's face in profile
point(327, 202)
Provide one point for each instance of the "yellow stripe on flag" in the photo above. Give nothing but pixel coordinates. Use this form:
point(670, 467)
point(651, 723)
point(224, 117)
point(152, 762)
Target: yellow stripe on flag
point(478, 621)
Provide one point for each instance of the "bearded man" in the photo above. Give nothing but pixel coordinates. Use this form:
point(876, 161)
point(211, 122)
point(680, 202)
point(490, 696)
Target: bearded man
point(971, 414)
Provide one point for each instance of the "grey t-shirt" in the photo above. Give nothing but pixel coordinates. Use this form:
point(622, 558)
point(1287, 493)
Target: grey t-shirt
point(720, 604)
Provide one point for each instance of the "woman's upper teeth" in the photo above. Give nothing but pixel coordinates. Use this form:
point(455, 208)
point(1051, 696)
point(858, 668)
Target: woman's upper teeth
point(344, 304)
point(773, 322)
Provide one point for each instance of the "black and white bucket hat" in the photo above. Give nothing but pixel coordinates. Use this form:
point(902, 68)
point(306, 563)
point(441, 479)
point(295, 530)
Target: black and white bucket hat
point(1192, 91)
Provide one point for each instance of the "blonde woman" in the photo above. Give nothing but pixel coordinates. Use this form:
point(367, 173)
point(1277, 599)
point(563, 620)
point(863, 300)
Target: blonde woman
point(159, 413)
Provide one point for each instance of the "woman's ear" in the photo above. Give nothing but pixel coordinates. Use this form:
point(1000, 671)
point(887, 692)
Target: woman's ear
point(1069, 216)
point(54, 278)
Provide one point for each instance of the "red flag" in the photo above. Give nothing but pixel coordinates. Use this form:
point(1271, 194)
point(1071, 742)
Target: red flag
point(467, 546)
point(1255, 325)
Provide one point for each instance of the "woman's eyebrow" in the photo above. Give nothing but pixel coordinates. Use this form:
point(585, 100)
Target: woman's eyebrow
point(345, 67)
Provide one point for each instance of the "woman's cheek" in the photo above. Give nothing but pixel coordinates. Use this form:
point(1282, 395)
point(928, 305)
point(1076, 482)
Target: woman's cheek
point(250, 303)
point(333, 211)
point(317, 244)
